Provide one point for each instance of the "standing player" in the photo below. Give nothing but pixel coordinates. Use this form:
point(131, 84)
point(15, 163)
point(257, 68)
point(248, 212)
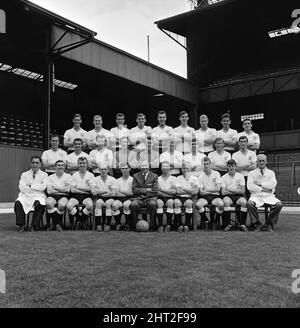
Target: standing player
point(195, 160)
point(91, 136)
point(118, 132)
point(219, 157)
point(174, 157)
point(261, 184)
point(233, 188)
point(140, 134)
point(166, 193)
point(105, 187)
point(58, 188)
point(162, 133)
point(245, 159)
point(72, 159)
point(54, 154)
point(123, 198)
point(183, 134)
point(100, 155)
point(229, 135)
point(75, 132)
point(205, 136)
point(80, 191)
point(210, 191)
point(32, 195)
point(187, 189)
point(253, 138)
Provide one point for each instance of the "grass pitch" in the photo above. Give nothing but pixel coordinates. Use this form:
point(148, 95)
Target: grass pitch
point(127, 269)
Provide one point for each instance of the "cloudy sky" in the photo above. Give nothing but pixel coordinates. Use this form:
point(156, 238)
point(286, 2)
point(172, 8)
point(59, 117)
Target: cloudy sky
point(126, 23)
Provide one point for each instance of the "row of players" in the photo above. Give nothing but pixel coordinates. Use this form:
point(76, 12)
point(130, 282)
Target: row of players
point(61, 191)
point(182, 135)
point(245, 158)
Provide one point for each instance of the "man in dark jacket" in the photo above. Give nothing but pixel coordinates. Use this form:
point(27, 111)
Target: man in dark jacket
point(145, 188)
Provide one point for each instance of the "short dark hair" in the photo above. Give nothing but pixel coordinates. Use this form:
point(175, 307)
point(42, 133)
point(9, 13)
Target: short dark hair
point(140, 114)
point(225, 115)
point(77, 139)
point(161, 112)
point(82, 159)
point(35, 157)
point(183, 112)
point(231, 162)
point(77, 115)
point(55, 136)
point(120, 115)
point(206, 159)
point(247, 119)
point(243, 137)
point(59, 161)
point(219, 139)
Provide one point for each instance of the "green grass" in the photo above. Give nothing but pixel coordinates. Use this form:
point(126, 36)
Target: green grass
point(127, 269)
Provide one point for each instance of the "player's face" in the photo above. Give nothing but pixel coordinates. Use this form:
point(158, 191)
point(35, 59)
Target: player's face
point(125, 170)
point(77, 146)
point(145, 167)
point(226, 122)
point(98, 122)
point(162, 119)
point(165, 168)
point(185, 169)
point(204, 122)
point(82, 165)
point(60, 167)
point(219, 145)
point(194, 146)
point(243, 143)
point(262, 163)
point(35, 164)
point(247, 126)
point(103, 171)
point(141, 120)
point(231, 168)
point(184, 118)
point(54, 142)
point(207, 165)
point(77, 122)
point(100, 142)
point(120, 120)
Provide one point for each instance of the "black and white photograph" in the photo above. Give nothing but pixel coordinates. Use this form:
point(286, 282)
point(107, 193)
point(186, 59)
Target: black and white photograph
point(149, 158)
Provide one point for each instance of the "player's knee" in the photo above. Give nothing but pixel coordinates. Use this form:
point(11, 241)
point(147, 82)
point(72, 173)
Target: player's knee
point(159, 203)
point(71, 204)
point(62, 203)
point(278, 205)
point(126, 204)
point(188, 203)
point(99, 203)
point(200, 204)
point(227, 202)
point(242, 202)
point(88, 204)
point(170, 203)
point(152, 203)
point(50, 202)
point(177, 203)
point(109, 203)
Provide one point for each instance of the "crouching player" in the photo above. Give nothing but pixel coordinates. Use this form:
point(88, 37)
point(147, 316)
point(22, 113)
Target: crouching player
point(166, 193)
point(105, 187)
point(233, 188)
point(80, 192)
point(122, 199)
point(58, 188)
point(210, 188)
point(187, 189)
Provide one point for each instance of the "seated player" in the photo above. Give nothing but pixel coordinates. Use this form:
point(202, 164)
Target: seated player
point(123, 198)
point(140, 134)
point(253, 138)
point(174, 157)
point(245, 159)
point(210, 193)
point(261, 184)
point(233, 190)
point(119, 132)
point(74, 133)
point(51, 156)
point(122, 155)
point(91, 136)
point(80, 193)
point(166, 194)
point(187, 189)
point(104, 187)
point(58, 188)
point(32, 195)
point(195, 160)
point(148, 154)
point(205, 136)
point(145, 188)
point(219, 157)
point(72, 158)
point(100, 155)
point(183, 134)
point(229, 135)
point(162, 133)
